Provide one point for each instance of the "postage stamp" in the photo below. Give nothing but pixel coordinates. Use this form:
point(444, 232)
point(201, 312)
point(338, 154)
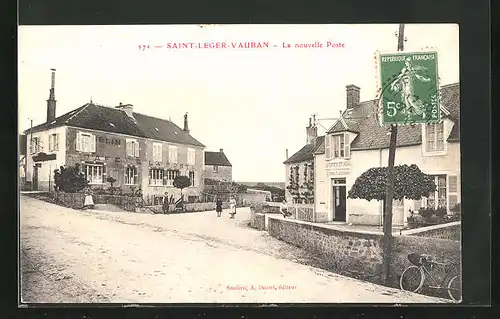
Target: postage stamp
point(409, 84)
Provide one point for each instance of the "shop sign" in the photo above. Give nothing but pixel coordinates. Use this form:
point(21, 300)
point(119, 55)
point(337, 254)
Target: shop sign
point(105, 140)
point(338, 168)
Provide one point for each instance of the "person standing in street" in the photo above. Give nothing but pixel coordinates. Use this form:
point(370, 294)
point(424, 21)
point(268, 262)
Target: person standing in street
point(232, 207)
point(166, 205)
point(218, 206)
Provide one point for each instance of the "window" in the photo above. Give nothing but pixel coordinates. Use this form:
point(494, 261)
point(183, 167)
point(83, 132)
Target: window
point(172, 154)
point(85, 142)
point(156, 177)
point(434, 137)
point(36, 145)
point(132, 148)
point(439, 197)
point(337, 146)
point(157, 152)
point(94, 173)
point(53, 142)
point(131, 175)
point(171, 175)
point(216, 169)
point(191, 156)
point(191, 178)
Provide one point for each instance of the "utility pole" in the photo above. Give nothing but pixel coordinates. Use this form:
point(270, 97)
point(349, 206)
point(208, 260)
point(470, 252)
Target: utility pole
point(387, 221)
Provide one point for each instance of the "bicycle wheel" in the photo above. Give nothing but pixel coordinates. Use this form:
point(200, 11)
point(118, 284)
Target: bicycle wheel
point(412, 279)
point(455, 288)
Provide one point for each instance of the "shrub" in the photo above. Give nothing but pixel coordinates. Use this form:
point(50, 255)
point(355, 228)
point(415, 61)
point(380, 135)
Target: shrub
point(457, 209)
point(440, 212)
point(426, 212)
point(69, 179)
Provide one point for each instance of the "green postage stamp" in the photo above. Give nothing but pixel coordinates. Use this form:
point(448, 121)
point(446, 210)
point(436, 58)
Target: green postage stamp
point(410, 88)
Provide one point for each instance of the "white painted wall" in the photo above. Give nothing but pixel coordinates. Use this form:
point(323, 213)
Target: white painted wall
point(48, 167)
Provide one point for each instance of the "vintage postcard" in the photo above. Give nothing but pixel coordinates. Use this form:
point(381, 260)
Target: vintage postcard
point(227, 164)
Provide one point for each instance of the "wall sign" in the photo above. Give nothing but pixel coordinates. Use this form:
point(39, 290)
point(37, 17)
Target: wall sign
point(338, 168)
point(105, 140)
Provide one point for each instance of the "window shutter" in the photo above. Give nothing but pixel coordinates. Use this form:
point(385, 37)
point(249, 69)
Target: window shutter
point(452, 191)
point(104, 173)
point(328, 140)
point(136, 149)
point(56, 142)
point(78, 142)
point(347, 146)
point(92, 140)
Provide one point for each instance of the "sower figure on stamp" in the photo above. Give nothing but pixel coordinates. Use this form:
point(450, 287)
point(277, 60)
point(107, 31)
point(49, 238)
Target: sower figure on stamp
point(218, 206)
point(404, 84)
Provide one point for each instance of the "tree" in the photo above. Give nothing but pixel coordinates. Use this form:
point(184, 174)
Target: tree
point(409, 182)
point(69, 179)
point(182, 182)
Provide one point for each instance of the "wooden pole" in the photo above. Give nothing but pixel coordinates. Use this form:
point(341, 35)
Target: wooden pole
point(387, 221)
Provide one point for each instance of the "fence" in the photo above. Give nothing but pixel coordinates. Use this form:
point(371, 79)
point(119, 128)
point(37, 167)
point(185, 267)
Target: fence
point(303, 212)
point(75, 200)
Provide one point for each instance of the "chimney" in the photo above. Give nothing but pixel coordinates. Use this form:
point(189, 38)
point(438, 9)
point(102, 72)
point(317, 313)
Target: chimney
point(51, 102)
point(186, 128)
point(352, 96)
point(221, 150)
point(127, 108)
point(312, 132)
point(286, 153)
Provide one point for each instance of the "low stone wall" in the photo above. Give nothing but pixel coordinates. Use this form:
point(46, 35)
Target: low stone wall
point(257, 220)
point(451, 231)
point(359, 253)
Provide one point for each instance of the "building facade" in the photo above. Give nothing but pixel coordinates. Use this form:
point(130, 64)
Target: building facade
point(300, 168)
point(114, 145)
point(357, 142)
point(217, 166)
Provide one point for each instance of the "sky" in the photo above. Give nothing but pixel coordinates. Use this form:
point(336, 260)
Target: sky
point(253, 103)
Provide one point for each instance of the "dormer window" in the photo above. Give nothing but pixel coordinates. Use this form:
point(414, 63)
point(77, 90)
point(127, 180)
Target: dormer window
point(434, 137)
point(337, 146)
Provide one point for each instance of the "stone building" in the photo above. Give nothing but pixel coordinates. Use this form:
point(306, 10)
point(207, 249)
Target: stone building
point(299, 168)
point(218, 167)
point(137, 150)
point(357, 142)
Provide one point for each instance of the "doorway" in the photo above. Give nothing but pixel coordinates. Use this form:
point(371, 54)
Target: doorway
point(34, 184)
point(339, 200)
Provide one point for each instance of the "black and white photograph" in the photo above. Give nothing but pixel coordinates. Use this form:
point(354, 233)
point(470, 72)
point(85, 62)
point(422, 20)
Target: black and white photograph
point(225, 164)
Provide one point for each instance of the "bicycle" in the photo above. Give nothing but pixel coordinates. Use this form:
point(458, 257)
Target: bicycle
point(421, 267)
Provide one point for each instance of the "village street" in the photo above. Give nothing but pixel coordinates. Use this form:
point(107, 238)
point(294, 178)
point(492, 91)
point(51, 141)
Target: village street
point(93, 256)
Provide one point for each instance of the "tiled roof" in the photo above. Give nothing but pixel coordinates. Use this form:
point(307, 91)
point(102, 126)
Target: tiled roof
point(216, 158)
point(163, 130)
point(108, 119)
point(373, 136)
point(306, 153)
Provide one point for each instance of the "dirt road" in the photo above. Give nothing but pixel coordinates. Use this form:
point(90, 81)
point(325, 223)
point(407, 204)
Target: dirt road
point(91, 256)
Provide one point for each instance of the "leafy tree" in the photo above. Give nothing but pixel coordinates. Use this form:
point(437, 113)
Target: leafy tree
point(182, 182)
point(409, 182)
point(69, 179)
